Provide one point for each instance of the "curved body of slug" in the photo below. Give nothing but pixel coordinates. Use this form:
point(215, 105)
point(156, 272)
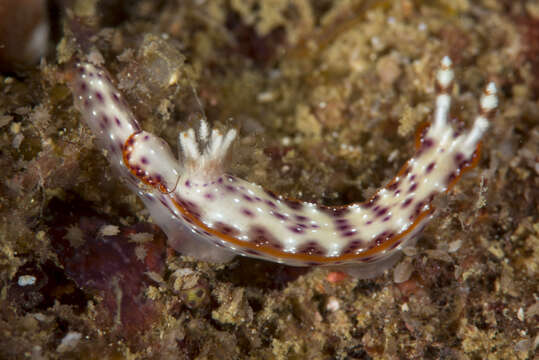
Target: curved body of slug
point(199, 206)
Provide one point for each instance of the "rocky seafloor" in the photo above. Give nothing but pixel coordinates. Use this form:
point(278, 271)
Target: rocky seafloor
point(326, 95)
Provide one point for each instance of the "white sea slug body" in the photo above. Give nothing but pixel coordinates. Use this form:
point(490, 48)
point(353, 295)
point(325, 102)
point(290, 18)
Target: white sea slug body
point(212, 215)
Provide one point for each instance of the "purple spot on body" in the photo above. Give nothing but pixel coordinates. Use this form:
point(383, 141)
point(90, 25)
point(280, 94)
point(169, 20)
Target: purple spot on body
point(406, 203)
point(335, 212)
point(209, 196)
point(419, 207)
point(150, 180)
point(225, 228)
point(350, 233)
point(296, 229)
point(406, 171)
point(83, 87)
point(258, 230)
point(293, 204)
point(412, 188)
point(146, 137)
point(99, 97)
point(260, 236)
point(461, 160)
point(279, 215)
point(383, 237)
point(430, 167)
point(271, 194)
point(247, 212)
point(248, 198)
point(382, 212)
point(343, 227)
point(368, 222)
point(271, 204)
point(338, 212)
point(87, 103)
point(412, 178)
point(220, 180)
point(417, 210)
point(312, 248)
point(144, 160)
point(371, 202)
point(187, 183)
point(116, 98)
point(393, 186)
point(230, 188)
point(118, 123)
point(352, 247)
point(190, 206)
point(427, 143)
point(301, 218)
point(386, 218)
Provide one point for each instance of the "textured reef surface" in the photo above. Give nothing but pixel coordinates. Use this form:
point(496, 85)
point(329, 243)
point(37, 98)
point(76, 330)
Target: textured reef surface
point(326, 96)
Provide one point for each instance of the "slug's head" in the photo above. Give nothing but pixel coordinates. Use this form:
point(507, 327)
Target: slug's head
point(149, 158)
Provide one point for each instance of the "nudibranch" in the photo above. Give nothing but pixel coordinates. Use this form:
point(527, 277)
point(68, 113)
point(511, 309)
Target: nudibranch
point(212, 215)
